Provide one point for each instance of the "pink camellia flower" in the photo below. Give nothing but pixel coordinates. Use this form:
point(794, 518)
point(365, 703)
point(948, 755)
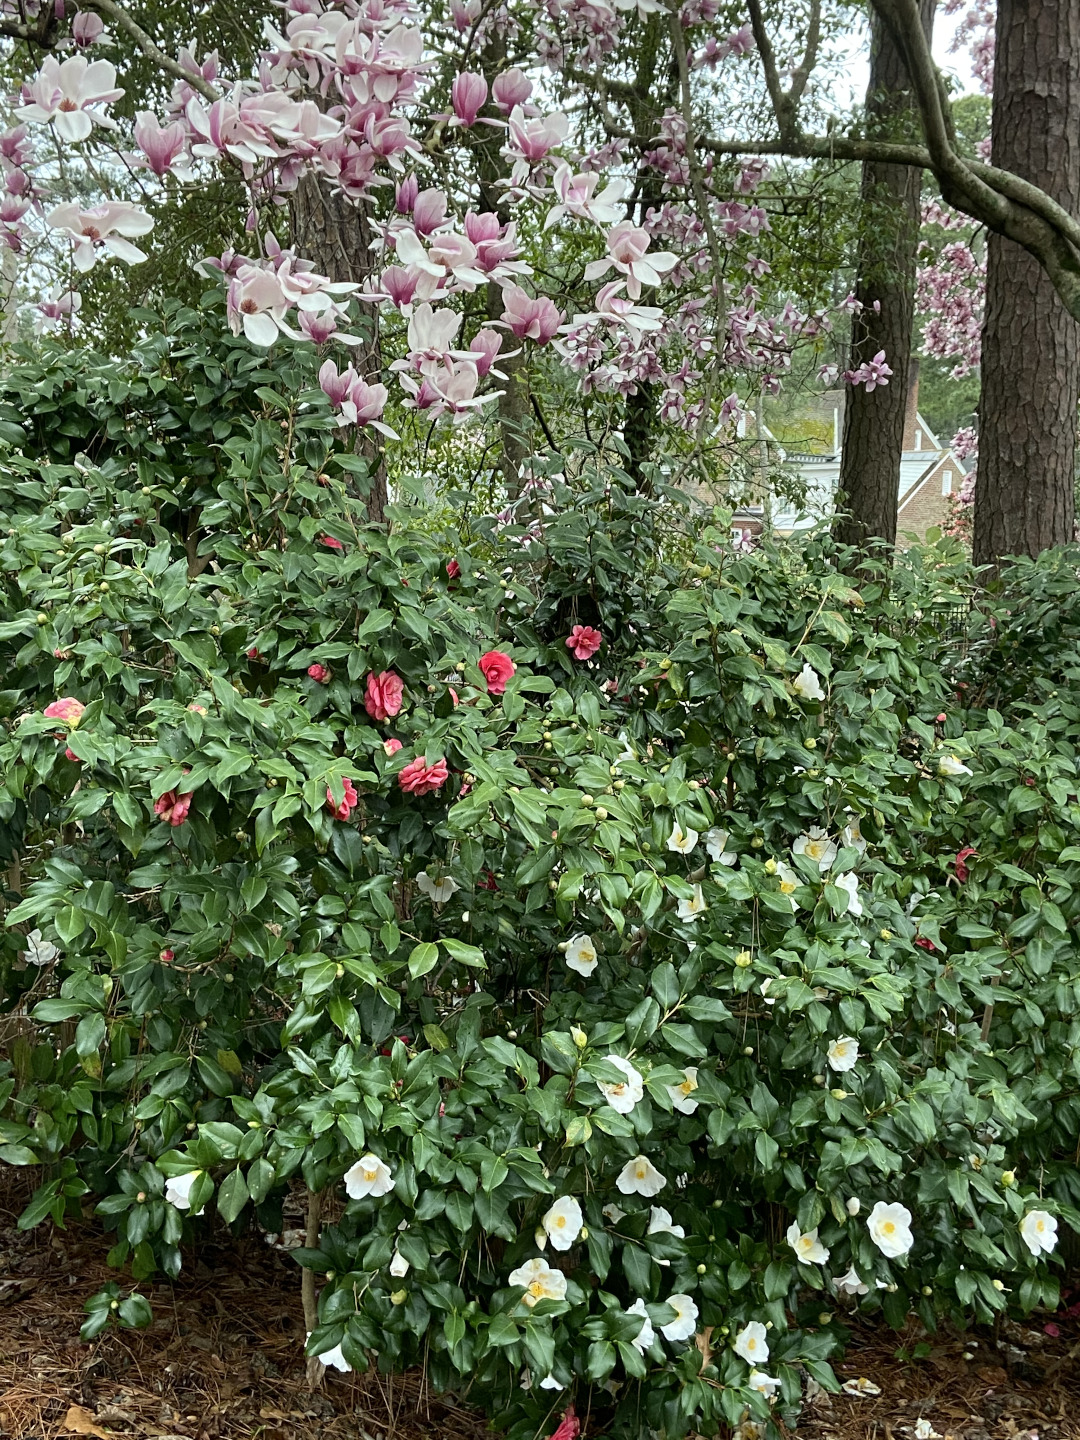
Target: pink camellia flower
point(467, 95)
point(253, 653)
point(530, 319)
point(65, 92)
point(420, 778)
point(68, 709)
point(497, 667)
point(69, 754)
point(330, 542)
point(319, 673)
point(391, 746)
point(107, 225)
point(384, 693)
point(173, 808)
point(583, 642)
point(167, 957)
point(512, 87)
point(348, 802)
point(162, 145)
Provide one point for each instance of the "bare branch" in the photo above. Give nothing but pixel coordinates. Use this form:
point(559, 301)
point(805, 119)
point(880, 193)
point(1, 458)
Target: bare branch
point(768, 65)
point(120, 17)
point(801, 74)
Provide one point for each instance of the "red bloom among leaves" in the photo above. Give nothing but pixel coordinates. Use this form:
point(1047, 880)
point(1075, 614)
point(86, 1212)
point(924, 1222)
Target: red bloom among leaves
point(69, 754)
point(253, 653)
point(167, 957)
point(497, 667)
point(569, 1427)
point(173, 808)
point(384, 693)
point(420, 778)
point(319, 673)
point(583, 642)
point(330, 542)
point(453, 570)
point(348, 802)
point(923, 942)
point(962, 857)
point(67, 709)
point(391, 746)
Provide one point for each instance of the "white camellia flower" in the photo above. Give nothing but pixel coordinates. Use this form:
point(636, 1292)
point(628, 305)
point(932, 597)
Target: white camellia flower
point(581, 954)
point(39, 951)
point(850, 1283)
point(437, 890)
point(685, 1322)
point(843, 1054)
point(369, 1176)
point(540, 1280)
point(890, 1229)
point(924, 1430)
point(766, 1385)
point(550, 1383)
point(681, 1095)
point(694, 907)
point(646, 1335)
point(613, 1213)
point(816, 845)
point(853, 1206)
point(852, 835)
point(563, 1222)
point(752, 1343)
point(399, 1266)
point(807, 684)
point(807, 1246)
point(862, 1386)
point(660, 1223)
point(640, 1177)
point(335, 1360)
point(622, 1095)
point(178, 1190)
point(1038, 1230)
point(850, 883)
point(789, 881)
point(950, 765)
point(716, 843)
point(682, 841)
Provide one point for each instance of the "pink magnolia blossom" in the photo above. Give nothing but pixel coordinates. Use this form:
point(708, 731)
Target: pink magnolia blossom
point(68, 92)
point(871, 373)
point(348, 802)
point(357, 402)
point(384, 694)
point(578, 196)
point(496, 668)
point(420, 778)
point(528, 318)
point(101, 227)
point(256, 304)
point(88, 29)
point(511, 88)
point(627, 246)
point(483, 348)
point(449, 387)
point(468, 94)
point(429, 211)
point(162, 145)
point(61, 305)
point(529, 139)
point(583, 642)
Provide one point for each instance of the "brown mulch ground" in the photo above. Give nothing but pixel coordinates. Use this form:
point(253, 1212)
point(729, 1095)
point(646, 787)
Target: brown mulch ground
point(223, 1360)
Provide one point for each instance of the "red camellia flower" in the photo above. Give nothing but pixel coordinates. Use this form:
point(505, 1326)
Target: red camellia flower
point(166, 957)
point(941, 718)
point(453, 570)
point(583, 642)
point(420, 778)
point(67, 709)
point(253, 654)
point(348, 801)
point(962, 858)
point(383, 697)
point(173, 808)
point(69, 754)
point(319, 673)
point(497, 668)
point(923, 942)
point(330, 542)
point(391, 746)
point(569, 1427)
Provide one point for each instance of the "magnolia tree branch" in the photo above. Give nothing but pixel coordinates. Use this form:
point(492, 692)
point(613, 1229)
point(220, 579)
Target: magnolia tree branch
point(120, 17)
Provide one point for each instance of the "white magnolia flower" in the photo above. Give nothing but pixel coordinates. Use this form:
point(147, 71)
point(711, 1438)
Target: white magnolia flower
point(660, 1223)
point(766, 1385)
point(850, 1283)
point(640, 1177)
point(950, 765)
point(890, 1229)
point(682, 841)
point(852, 835)
point(716, 843)
point(862, 1386)
point(694, 907)
point(563, 1222)
point(752, 1343)
point(685, 1322)
point(369, 1176)
point(335, 1360)
point(68, 92)
point(843, 1054)
point(38, 950)
point(807, 1246)
point(399, 1266)
point(681, 1095)
point(178, 1190)
point(807, 684)
point(789, 881)
point(581, 954)
point(850, 883)
point(1038, 1230)
point(646, 1335)
point(540, 1280)
point(623, 1095)
point(614, 1213)
point(438, 890)
point(816, 845)
point(550, 1383)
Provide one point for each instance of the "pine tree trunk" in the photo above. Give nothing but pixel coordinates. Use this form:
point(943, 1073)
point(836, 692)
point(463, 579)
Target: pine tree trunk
point(335, 235)
point(1030, 344)
point(874, 421)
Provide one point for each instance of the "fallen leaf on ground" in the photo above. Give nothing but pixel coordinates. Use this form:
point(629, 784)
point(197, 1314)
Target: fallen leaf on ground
point(79, 1421)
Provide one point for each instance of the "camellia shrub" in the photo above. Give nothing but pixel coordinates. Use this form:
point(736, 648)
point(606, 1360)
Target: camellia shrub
point(638, 955)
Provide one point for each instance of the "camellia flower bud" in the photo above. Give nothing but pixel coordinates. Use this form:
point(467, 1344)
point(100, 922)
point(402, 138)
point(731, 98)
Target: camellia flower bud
point(579, 1037)
point(1008, 1178)
point(399, 1297)
point(838, 1094)
point(744, 959)
point(770, 867)
point(853, 1206)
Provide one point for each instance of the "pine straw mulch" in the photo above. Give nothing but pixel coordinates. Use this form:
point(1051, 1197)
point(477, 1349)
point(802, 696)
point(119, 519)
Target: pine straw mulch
point(223, 1360)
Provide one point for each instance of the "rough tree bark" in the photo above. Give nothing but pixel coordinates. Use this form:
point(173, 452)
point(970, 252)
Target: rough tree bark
point(874, 421)
point(335, 235)
point(1030, 344)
